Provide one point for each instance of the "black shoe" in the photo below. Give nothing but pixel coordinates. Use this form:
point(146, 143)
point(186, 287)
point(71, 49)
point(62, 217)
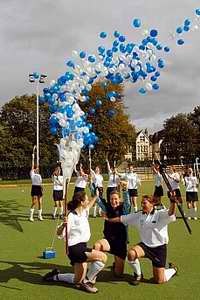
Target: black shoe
point(87, 287)
point(136, 279)
point(50, 276)
point(173, 266)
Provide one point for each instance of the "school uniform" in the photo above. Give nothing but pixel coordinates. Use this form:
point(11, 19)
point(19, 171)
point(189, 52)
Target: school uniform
point(78, 234)
point(133, 182)
point(80, 183)
point(158, 192)
point(113, 182)
point(57, 187)
point(97, 181)
point(191, 183)
point(153, 230)
point(36, 179)
point(174, 180)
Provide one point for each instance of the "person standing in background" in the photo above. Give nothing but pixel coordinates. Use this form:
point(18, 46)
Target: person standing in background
point(36, 191)
point(57, 179)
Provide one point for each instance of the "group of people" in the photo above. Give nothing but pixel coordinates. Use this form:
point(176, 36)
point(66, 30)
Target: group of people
point(151, 221)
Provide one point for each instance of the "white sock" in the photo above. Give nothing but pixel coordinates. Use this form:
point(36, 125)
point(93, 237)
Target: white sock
point(31, 212)
point(95, 211)
point(135, 209)
point(189, 213)
point(100, 210)
point(169, 273)
point(135, 265)
point(39, 212)
point(61, 210)
point(95, 268)
point(55, 211)
point(67, 277)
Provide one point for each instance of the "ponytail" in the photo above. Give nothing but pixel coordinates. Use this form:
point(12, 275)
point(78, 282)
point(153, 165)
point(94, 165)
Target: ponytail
point(76, 200)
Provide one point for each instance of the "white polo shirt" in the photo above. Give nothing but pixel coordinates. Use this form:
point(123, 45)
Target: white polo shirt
point(78, 228)
point(35, 178)
point(191, 183)
point(97, 180)
point(113, 180)
point(158, 179)
point(133, 180)
point(57, 183)
point(174, 180)
point(81, 181)
point(152, 227)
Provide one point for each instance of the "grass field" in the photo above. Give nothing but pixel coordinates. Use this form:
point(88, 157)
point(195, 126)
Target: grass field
point(22, 268)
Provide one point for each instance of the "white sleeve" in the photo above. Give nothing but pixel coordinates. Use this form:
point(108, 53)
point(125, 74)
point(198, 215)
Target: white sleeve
point(131, 219)
point(165, 218)
point(70, 221)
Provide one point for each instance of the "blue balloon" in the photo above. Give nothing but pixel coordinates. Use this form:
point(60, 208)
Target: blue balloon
point(116, 34)
point(122, 38)
point(69, 111)
point(197, 11)
point(166, 49)
point(186, 28)
point(153, 33)
point(179, 30)
point(111, 113)
point(62, 97)
point(103, 35)
point(82, 54)
point(159, 47)
point(65, 132)
point(91, 58)
point(70, 64)
point(142, 91)
point(42, 99)
point(101, 49)
point(53, 130)
point(136, 23)
point(91, 111)
point(89, 125)
point(98, 103)
point(155, 86)
point(78, 135)
point(187, 22)
point(180, 42)
point(36, 75)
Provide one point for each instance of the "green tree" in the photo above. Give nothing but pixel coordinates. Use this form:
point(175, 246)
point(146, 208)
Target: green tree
point(116, 134)
point(18, 134)
point(179, 138)
point(195, 119)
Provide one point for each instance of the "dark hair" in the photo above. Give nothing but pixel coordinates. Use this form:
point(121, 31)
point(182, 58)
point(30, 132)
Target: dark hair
point(76, 200)
point(149, 198)
point(114, 192)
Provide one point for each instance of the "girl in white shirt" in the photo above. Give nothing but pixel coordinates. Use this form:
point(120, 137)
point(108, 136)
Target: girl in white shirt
point(78, 234)
point(57, 179)
point(174, 180)
point(133, 183)
point(113, 181)
point(36, 192)
point(81, 180)
point(97, 184)
point(191, 183)
point(158, 191)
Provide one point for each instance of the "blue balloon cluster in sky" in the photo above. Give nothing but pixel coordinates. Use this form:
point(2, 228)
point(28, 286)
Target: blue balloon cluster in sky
point(124, 61)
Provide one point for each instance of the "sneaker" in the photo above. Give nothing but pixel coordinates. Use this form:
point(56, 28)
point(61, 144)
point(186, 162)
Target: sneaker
point(173, 266)
point(40, 218)
point(91, 282)
point(31, 219)
point(87, 287)
point(195, 218)
point(50, 276)
point(189, 218)
point(136, 279)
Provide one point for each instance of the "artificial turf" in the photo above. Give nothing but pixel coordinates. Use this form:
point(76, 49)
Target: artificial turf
point(22, 265)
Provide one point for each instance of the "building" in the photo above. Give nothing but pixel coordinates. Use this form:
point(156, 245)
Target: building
point(143, 146)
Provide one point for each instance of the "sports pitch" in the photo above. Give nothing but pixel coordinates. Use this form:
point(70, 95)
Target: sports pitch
point(22, 265)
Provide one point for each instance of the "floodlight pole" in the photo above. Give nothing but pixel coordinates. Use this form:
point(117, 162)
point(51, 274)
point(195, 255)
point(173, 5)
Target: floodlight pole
point(37, 78)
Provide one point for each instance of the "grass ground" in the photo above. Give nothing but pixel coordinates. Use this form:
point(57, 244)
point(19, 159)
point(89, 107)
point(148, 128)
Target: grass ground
point(22, 268)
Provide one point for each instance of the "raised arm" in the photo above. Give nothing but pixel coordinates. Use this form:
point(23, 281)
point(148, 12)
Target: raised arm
point(108, 166)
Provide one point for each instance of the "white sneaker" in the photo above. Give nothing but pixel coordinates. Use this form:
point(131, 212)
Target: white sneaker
point(189, 218)
point(31, 219)
point(195, 218)
point(40, 218)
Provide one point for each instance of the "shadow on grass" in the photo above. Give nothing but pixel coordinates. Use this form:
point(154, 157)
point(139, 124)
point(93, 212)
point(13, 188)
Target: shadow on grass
point(10, 214)
point(29, 272)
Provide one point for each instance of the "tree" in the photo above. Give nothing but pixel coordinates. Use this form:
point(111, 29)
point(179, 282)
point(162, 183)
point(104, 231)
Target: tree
point(179, 138)
point(18, 135)
point(195, 119)
point(114, 131)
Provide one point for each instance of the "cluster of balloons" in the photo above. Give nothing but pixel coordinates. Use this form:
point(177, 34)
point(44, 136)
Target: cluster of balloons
point(123, 61)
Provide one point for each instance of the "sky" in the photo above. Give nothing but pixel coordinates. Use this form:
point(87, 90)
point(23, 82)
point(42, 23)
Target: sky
point(40, 35)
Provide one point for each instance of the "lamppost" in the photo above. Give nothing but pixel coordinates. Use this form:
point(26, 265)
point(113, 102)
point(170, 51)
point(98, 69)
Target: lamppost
point(37, 78)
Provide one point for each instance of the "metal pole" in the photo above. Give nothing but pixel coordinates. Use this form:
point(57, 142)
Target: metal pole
point(37, 121)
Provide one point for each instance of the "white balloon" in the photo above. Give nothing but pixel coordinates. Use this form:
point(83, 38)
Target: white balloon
point(148, 86)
